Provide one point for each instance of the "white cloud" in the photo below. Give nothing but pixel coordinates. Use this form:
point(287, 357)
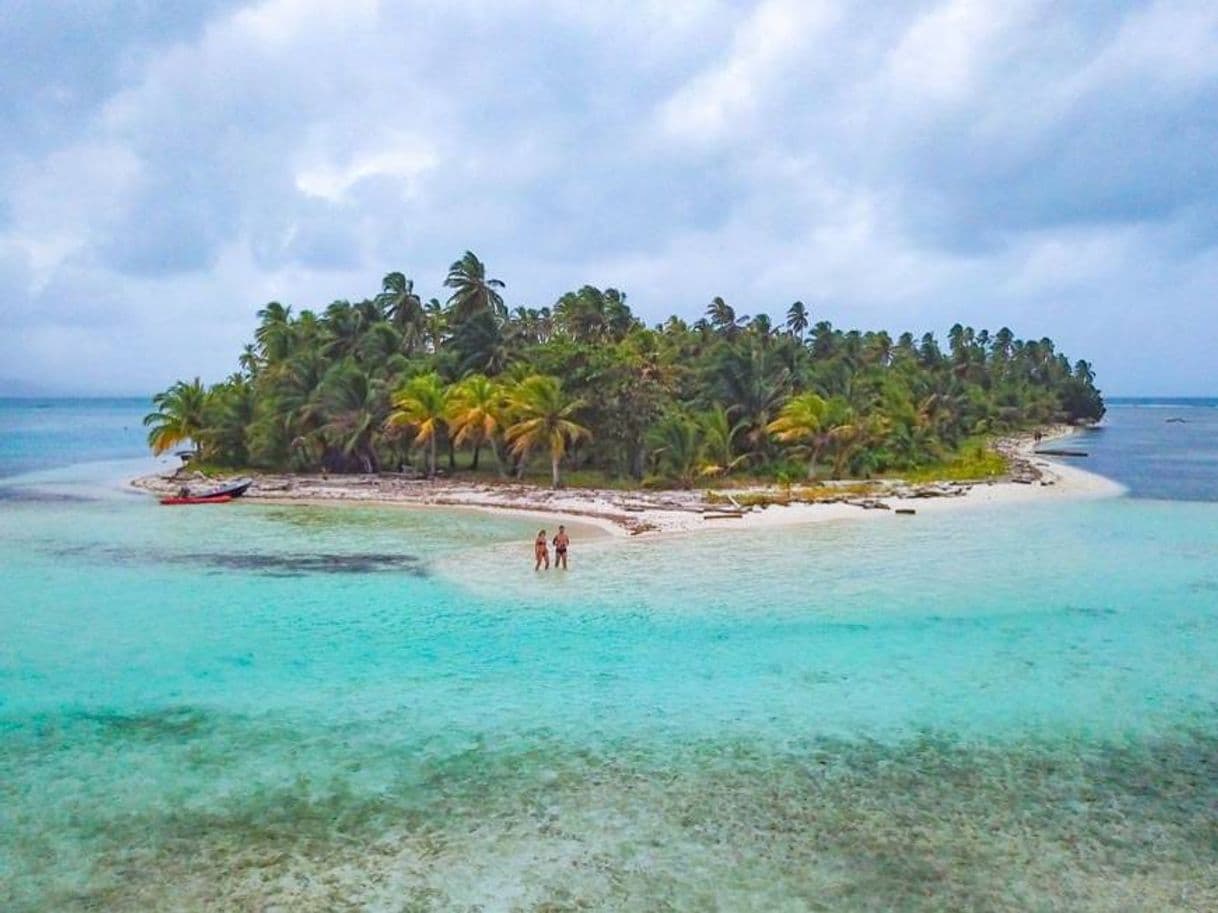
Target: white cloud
point(330, 182)
point(941, 55)
point(775, 38)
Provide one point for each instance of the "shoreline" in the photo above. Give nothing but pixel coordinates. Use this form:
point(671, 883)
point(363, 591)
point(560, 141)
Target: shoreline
point(650, 513)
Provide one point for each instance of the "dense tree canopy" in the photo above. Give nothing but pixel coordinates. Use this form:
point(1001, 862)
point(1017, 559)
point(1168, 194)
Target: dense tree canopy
point(391, 380)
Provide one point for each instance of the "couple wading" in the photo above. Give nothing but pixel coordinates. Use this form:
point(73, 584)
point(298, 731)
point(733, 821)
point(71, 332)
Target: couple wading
point(541, 549)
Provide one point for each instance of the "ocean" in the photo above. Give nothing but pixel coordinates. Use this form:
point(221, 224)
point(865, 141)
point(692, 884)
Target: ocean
point(255, 707)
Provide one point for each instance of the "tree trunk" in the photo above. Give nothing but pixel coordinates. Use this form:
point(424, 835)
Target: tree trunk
point(638, 461)
point(452, 456)
point(813, 461)
point(554, 470)
point(431, 457)
point(839, 461)
point(477, 450)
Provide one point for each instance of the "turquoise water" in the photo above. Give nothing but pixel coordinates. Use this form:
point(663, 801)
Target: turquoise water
point(252, 708)
point(41, 433)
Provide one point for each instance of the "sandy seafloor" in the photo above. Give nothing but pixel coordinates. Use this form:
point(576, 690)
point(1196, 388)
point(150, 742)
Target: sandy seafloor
point(298, 707)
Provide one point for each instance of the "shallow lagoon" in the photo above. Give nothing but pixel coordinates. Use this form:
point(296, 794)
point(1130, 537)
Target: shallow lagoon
point(308, 708)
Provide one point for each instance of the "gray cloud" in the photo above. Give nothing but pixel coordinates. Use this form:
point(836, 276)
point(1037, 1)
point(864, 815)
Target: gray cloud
point(1022, 163)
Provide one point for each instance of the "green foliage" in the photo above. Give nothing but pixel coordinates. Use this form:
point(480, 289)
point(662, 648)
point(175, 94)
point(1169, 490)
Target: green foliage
point(543, 418)
point(975, 462)
point(180, 416)
point(392, 379)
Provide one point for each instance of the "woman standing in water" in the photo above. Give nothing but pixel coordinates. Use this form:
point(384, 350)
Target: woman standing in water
point(541, 551)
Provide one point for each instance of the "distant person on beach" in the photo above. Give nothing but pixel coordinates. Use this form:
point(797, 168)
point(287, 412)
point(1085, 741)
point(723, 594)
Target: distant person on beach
point(561, 541)
point(541, 551)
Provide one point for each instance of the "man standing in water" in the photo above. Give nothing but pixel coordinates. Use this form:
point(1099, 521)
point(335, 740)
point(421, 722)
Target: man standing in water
point(541, 551)
point(561, 541)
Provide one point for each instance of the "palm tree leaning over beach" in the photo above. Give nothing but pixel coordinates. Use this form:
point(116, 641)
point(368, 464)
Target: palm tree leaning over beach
point(543, 417)
point(180, 416)
point(423, 405)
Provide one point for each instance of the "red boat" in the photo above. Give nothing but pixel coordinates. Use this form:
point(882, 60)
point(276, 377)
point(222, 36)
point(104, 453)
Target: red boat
point(201, 499)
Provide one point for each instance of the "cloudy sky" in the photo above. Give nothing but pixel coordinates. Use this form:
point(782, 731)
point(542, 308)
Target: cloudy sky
point(167, 168)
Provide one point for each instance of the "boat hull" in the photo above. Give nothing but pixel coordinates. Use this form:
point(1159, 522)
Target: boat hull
point(212, 499)
point(232, 489)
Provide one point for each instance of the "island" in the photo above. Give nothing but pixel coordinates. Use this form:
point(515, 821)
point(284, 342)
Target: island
point(582, 409)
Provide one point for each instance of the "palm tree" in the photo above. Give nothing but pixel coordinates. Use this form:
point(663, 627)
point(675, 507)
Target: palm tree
point(229, 413)
point(403, 307)
point(618, 315)
point(721, 315)
point(719, 442)
point(480, 344)
point(249, 360)
point(543, 417)
point(354, 406)
point(824, 340)
point(582, 314)
point(797, 319)
point(877, 348)
point(476, 414)
point(591, 315)
point(851, 434)
point(753, 383)
point(274, 331)
point(344, 324)
point(473, 293)
point(423, 404)
point(800, 422)
point(180, 416)
point(677, 444)
point(847, 431)
point(435, 323)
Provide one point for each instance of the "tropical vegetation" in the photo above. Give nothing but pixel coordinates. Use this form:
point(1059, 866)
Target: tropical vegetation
point(391, 381)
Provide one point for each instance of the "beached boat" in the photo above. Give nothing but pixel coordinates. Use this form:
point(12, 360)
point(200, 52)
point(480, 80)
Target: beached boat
point(198, 499)
point(234, 489)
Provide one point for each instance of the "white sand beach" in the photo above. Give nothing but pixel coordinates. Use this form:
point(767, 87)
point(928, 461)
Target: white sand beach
point(635, 513)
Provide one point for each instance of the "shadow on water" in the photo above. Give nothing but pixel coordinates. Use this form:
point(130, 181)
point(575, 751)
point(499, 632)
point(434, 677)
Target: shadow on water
point(264, 564)
point(13, 494)
point(300, 565)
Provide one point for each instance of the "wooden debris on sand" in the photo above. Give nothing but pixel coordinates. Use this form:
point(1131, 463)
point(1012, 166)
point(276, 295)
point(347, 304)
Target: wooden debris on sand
point(1061, 453)
point(870, 504)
